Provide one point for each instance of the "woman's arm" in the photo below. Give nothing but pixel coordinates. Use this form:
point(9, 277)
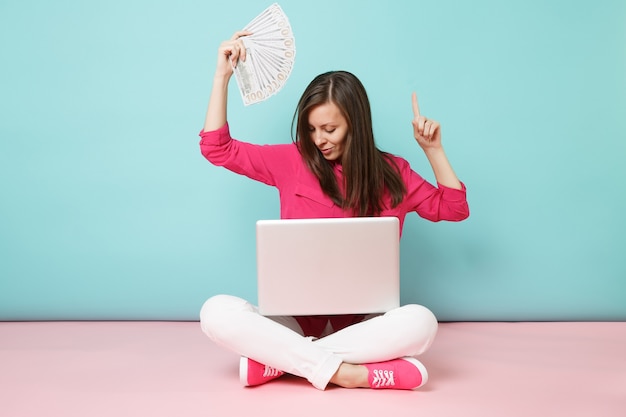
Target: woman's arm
point(229, 52)
point(427, 133)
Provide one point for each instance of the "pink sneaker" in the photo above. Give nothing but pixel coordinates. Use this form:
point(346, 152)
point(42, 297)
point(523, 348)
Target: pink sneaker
point(253, 373)
point(403, 373)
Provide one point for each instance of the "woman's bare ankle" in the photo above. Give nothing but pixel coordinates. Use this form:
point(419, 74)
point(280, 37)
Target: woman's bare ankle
point(351, 376)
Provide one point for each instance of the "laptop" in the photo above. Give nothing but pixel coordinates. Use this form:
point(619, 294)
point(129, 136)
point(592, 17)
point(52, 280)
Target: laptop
point(328, 266)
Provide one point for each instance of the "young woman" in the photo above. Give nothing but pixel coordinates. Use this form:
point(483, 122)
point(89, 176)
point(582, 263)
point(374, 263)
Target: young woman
point(332, 169)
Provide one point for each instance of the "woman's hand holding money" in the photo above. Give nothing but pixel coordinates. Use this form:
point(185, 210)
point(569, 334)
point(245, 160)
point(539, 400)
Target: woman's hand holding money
point(229, 53)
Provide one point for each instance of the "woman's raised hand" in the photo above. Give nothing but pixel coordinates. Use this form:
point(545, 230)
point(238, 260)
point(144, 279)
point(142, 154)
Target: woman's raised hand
point(427, 132)
point(230, 52)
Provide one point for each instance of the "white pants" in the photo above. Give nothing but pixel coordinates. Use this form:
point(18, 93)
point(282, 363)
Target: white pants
point(278, 342)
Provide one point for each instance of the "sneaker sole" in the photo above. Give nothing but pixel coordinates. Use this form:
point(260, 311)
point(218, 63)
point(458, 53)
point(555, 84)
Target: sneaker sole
point(243, 371)
point(421, 368)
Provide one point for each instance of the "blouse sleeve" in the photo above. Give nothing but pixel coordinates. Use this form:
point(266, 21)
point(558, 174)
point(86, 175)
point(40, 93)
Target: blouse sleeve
point(264, 163)
point(434, 203)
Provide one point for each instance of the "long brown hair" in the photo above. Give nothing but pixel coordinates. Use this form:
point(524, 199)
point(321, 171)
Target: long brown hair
point(367, 171)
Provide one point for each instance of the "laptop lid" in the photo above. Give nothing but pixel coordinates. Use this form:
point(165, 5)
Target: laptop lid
point(328, 266)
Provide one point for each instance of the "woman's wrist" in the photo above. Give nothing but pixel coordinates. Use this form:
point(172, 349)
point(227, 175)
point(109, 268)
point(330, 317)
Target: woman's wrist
point(221, 78)
point(433, 152)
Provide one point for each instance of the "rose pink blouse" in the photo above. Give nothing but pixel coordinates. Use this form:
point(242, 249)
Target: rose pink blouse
point(301, 196)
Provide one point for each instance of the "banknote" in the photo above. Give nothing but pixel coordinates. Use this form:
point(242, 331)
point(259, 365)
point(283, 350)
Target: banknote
point(270, 56)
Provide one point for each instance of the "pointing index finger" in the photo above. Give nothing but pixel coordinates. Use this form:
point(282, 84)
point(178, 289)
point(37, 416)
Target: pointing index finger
point(416, 107)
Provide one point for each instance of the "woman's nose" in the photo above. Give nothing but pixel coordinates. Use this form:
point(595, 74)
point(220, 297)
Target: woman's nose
point(318, 138)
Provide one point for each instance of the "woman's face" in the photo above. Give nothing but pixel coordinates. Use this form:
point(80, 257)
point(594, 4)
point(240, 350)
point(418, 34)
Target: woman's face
point(328, 129)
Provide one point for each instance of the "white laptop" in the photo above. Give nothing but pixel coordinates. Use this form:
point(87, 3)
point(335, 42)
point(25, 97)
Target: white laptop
point(328, 266)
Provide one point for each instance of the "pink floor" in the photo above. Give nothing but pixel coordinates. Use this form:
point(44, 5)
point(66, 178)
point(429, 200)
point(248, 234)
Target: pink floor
point(154, 369)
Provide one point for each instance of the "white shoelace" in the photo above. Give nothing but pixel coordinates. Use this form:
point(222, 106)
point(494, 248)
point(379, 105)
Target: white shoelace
point(382, 378)
point(270, 372)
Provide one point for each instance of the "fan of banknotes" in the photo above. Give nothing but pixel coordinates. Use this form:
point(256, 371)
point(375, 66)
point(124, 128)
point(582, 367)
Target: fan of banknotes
point(270, 53)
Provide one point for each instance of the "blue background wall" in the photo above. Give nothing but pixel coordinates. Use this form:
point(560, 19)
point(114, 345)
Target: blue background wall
point(108, 210)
